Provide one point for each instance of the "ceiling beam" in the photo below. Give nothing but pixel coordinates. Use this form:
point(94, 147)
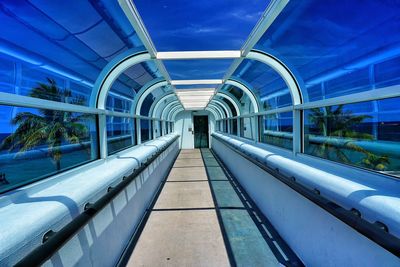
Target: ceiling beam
point(192, 82)
point(198, 54)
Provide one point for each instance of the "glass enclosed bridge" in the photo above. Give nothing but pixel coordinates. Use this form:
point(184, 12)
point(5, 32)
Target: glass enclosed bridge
point(200, 133)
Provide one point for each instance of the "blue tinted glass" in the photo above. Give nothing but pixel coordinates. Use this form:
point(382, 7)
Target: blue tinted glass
point(242, 98)
point(150, 98)
point(228, 104)
point(197, 69)
point(145, 130)
point(120, 133)
point(39, 143)
point(267, 84)
point(177, 25)
point(118, 103)
point(277, 129)
point(247, 127)
point(233, 126)
point(130, 82)
point(363, 134)
point(157, 128)
point(66, 44)
point(338, 49)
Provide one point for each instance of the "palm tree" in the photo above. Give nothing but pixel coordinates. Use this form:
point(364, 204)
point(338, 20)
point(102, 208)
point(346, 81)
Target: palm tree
point(375, 162)
point(50, 127)
point(337, 124)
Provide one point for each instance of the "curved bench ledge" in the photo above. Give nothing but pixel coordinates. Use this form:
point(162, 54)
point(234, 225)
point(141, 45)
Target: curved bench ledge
point(376, 196)
point(28, 212)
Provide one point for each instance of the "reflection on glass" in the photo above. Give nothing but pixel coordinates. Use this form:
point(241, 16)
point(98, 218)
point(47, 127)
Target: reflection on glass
point(277, 129)
point(233, 125)
point(247, 126)
point(225, 125)
point(265, 82)
point(363, 134)
point(145, 130)
point(120, 133)
point(39, 142)
point(335, 50)
point(158, 128)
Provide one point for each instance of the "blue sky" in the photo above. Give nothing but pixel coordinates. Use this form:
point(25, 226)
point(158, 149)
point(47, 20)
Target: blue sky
point(179, 25)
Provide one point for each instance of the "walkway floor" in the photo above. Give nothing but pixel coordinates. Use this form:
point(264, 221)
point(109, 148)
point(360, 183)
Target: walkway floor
point(203, 218)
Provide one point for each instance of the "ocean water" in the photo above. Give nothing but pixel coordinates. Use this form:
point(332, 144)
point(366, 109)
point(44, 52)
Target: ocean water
point(22, 170)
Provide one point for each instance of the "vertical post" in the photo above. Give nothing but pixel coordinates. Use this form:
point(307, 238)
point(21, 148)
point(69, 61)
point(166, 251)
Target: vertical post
point(138, 131)
point(260, 128)
point(103, 136)
point(154, 128)
point(238, 127)
point(256, 128)
point(298, 131)
point(133, 131)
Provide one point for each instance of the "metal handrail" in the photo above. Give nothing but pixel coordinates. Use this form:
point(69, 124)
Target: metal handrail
point(377, 232)
point(53, 241)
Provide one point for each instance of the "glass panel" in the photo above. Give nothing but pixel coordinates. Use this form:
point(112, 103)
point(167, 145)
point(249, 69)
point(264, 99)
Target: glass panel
point(266, 83)
point(129, 83)
point(229, 104)
point(65, 45)
point(197, 69)
point(363, 134)
point(247, 126)
point(225, 126)
point(335, 48)
point(37, 143)
point(233, 125)
point(277, 129)
point(120, 133)
point(119, 104)
point(242, 98)
point(193, 26)
point(145, 130)
point(150, 98)
point(157, 128)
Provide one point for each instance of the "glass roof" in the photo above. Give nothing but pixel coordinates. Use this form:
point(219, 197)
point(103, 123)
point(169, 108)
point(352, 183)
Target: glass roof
point(181, 25)
point(197, 69)
point(338, 49)
point(331, 49)
point(267, 84)
point(66, 45)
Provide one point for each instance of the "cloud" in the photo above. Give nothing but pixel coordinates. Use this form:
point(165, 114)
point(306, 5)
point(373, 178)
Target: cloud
point(244, 16)
point(194, 29)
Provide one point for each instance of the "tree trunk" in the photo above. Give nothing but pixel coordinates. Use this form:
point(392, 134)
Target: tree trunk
point(58, 165)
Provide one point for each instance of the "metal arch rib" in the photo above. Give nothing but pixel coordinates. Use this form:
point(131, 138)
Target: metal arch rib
point(224, 106)
point(176, 112)
point(168, 108)
point(231, 99)
point(146, 89)
point(218, 117)
point(282, 70)
point(218, 109)
point(157, 103)
point(213, 112)
point(172, 110)
point(111, 72)
point(247, 91)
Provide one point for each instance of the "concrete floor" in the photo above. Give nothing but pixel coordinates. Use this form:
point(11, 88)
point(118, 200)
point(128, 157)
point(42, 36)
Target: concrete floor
point(182, 229)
